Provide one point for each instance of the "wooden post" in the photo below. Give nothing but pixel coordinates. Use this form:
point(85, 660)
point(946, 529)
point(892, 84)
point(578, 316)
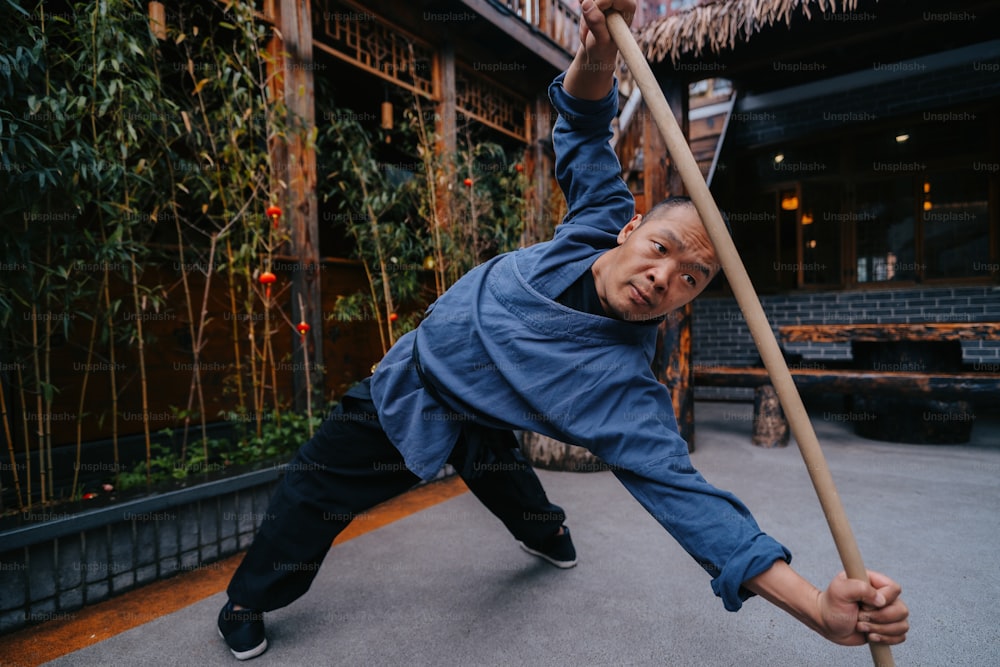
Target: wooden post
point(548, 453)
point(673, 368)
point(447, 121)
point(672, 363)
point(770, 429)
point(295, 165)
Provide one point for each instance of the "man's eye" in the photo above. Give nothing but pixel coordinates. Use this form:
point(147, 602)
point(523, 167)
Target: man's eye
point(690, 280)
point(660, 248)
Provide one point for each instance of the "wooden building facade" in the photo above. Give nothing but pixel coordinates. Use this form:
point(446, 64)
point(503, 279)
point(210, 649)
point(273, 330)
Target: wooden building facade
point(860, 165)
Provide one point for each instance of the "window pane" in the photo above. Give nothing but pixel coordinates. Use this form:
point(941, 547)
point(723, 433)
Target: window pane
point(822, 220)
point(754, 226)
point(885, 230)
point(956, 224)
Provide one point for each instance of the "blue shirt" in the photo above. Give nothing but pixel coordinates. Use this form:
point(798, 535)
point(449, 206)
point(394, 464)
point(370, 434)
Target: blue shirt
point(500, 351)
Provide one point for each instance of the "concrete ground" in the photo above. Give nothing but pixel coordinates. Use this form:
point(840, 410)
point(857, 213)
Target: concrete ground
point(448, 586)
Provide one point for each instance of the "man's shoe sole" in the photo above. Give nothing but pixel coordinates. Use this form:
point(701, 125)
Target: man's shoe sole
point(563, 564)
point(251, 653)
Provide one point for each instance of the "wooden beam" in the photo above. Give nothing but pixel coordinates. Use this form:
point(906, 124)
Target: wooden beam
point(938, 385)
point(929, 331)
point(539, 44)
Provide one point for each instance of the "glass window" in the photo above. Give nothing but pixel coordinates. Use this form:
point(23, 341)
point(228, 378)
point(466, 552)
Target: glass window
point(884, 222)
point(955, 214)
point(822, 222)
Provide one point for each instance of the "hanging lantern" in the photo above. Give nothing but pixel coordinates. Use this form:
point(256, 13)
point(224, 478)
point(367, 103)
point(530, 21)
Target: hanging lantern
point(303, 328)
point(266, 279)
point(158, 20)
point(387, 120)
point(274, 212)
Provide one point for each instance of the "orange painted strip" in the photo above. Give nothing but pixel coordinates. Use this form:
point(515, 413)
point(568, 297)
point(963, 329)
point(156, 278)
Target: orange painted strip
point(76, 630)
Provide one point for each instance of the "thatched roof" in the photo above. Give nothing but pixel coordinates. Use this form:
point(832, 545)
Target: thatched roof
point(719, 24)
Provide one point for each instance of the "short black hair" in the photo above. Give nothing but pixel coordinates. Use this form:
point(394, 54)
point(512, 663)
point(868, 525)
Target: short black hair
point(681, 200)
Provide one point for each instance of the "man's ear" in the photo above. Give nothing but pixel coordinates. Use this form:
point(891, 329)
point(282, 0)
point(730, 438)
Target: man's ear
point(629, 227)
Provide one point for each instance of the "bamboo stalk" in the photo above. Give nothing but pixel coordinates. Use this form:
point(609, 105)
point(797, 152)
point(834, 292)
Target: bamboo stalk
point(10, 447)
point(427, 157)
point(141, 350)
point(231, 279)
point(47, 365)
point(380, 255)
point(24, 431)
point(752, 310)
point(305, 360)
point(473, 225)
point(39, 414)
point(114, 376)
point(79, 410)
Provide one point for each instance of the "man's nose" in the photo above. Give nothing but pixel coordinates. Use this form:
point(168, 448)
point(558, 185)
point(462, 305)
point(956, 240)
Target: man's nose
point(659, 275)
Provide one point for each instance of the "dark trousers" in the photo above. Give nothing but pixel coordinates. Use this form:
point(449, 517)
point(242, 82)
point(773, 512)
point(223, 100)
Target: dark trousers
point(348, 467)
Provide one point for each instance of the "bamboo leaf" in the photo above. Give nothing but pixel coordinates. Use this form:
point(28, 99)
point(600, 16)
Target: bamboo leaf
point(18, 8)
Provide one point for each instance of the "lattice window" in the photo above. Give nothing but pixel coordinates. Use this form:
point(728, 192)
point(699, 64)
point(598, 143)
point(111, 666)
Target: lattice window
point(479, 98)
point(354, 34)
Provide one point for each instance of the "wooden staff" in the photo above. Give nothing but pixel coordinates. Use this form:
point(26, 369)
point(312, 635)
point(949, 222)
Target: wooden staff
point(746, 297)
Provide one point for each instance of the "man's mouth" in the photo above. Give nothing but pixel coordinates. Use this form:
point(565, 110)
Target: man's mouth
point(639, 297)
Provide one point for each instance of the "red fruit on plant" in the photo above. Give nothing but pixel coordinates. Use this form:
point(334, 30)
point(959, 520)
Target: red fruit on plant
point(468, 182)
point(393, 317)
point(302, 328)
point(519, 167)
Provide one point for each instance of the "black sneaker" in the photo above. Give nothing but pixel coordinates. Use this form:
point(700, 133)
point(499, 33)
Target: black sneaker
point(557, 549)
point(243, 631)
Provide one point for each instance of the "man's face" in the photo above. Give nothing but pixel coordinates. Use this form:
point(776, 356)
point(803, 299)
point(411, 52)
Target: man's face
point(659, 265)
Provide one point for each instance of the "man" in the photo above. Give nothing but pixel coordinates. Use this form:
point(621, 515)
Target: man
point(556, 338)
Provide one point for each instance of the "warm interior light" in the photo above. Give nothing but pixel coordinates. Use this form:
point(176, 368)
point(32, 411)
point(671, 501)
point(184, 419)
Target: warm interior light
point(927, 186)
point(789, 202)
point(902, 138)
point(807, 218)
point(927, 205)
point(812, 243)
point(780, 157)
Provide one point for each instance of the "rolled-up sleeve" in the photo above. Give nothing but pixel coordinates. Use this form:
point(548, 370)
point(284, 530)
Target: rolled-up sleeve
point(631, 427)
point(712, 525)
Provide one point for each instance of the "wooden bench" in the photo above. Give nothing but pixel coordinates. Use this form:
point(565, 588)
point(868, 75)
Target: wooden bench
point(928, 353)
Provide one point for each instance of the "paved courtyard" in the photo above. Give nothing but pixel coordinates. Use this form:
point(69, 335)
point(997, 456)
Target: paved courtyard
point(448, 586)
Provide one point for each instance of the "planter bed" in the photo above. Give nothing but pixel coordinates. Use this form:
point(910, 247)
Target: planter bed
point(57, 560)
